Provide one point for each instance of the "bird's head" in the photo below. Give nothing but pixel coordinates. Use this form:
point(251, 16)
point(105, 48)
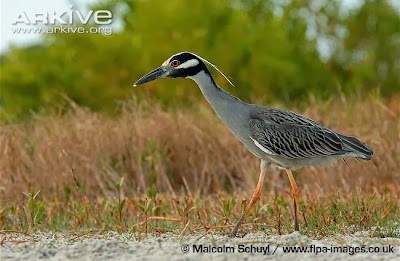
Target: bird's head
point(179, 65)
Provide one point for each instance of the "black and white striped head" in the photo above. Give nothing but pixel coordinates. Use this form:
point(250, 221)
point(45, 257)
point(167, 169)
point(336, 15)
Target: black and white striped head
point(179, 65)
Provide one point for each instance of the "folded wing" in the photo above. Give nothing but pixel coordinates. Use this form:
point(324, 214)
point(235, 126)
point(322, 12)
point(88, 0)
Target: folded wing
point(294, 136)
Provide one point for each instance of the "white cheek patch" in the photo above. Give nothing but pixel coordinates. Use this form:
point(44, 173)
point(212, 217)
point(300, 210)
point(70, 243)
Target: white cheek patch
point(188, 64)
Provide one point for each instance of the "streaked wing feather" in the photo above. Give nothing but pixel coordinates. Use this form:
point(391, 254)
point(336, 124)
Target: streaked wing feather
point(278, 116)
point(294, 141)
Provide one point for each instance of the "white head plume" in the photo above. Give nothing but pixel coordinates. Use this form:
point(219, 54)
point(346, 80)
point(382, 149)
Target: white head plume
point(215, 67)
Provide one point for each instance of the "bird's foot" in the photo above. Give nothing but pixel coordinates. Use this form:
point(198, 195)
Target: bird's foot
point(234, 231)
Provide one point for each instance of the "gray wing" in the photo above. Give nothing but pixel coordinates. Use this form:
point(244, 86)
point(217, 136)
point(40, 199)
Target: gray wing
point(292, 135)
point(277, 116)
point(295, 136)
point(294, 141)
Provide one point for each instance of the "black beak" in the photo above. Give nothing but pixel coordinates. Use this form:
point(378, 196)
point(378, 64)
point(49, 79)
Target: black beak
point(151, 76)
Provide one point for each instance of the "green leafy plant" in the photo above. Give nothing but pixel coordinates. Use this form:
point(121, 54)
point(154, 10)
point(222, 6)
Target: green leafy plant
point(121, 202)
point(228, 206)
point(35, 207)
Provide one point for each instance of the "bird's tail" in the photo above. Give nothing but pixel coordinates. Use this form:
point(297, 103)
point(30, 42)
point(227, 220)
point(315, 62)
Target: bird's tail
point(360, 149)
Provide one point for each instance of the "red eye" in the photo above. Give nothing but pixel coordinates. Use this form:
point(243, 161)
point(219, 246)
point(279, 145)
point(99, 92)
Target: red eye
point(174, 63)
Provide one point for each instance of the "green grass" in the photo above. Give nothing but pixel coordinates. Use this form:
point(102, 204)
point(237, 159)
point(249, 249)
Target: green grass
point(161, 213)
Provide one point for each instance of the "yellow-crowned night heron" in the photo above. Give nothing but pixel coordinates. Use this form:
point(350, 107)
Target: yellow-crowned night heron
point(278, 137)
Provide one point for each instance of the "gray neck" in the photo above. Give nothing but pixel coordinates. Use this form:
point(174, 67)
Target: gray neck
point(216, 96)
point(232, 111)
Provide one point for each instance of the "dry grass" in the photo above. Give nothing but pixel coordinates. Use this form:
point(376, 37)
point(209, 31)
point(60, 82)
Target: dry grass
point(187, 153)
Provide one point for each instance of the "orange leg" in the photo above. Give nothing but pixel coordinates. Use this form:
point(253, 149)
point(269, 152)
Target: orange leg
point(295, 193)
point(254, 199)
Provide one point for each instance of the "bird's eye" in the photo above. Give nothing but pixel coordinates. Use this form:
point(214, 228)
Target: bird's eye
point(175, 63)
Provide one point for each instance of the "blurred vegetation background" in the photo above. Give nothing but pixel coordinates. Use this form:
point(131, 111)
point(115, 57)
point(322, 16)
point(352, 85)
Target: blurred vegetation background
point(281, 51)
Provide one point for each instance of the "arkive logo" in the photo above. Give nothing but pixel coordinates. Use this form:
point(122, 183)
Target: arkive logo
point(99, 17)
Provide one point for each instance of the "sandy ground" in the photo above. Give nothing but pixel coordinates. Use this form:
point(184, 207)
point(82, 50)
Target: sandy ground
point(114, 246)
